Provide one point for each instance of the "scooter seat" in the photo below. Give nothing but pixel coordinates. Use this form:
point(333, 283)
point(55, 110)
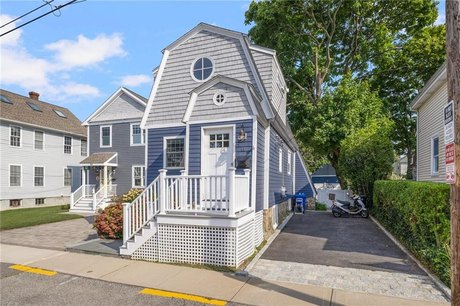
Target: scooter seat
point(344, 202)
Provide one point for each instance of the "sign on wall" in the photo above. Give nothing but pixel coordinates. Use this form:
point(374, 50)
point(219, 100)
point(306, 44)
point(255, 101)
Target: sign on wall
point(449, 138)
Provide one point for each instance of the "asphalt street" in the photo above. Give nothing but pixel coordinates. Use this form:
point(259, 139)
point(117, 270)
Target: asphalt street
point(23, 288)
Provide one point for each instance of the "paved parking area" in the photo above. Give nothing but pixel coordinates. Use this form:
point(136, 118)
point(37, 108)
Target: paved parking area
point(343, 253)
point(57, 235)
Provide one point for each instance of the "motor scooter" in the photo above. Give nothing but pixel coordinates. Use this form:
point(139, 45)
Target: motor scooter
point(357, 207)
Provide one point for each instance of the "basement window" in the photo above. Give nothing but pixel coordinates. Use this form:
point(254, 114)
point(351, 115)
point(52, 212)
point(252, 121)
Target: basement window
point(39, 201)
point(15, 203)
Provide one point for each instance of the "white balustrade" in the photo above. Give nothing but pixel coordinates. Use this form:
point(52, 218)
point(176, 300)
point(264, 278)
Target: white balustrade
point(81, 192)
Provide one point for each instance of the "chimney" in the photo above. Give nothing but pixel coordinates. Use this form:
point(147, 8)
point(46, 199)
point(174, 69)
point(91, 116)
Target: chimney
point(34, 95)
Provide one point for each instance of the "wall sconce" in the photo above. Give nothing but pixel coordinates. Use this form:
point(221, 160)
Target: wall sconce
point(243, 135)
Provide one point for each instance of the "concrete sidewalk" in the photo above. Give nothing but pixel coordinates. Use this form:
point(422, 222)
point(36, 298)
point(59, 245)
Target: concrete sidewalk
point(206, 283)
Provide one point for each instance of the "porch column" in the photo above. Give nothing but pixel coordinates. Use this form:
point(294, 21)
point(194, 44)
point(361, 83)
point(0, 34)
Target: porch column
point(83, 181)
point(105, 181)
point(231, 191)
point(248, 191)
point(183, 189)
point(162, 191)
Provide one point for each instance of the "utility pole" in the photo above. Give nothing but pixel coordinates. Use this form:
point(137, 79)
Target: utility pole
point(453, 90)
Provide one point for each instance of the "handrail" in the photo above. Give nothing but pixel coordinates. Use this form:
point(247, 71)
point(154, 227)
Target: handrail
point(78, 194)
point(140, 211)
point(97, 198)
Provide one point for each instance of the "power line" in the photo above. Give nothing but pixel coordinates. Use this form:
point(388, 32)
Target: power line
point(41, 16)
point(29, 12)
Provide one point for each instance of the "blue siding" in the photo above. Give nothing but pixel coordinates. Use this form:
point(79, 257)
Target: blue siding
point(156, 150)
point(277, 178)
point(127, 155)
point(301, 178)
point(260, 167)
point(243, 150)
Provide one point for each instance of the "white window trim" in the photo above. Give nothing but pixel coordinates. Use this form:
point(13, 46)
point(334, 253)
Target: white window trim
point(20, 136)
point(214, 98)
point(164, 152)
point(71, 177)
point(100, 136)
point(81, 140)
point(9, 175)
point(71, 144)
point(39, 166)
point(142, 178)
point(43, 149)
point(289, 162)
point(280, 160)
point(212, 72)
point(434, 173)
point(131, 135)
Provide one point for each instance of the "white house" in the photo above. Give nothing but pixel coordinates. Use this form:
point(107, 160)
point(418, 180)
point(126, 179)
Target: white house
point(429, 105)
point(41, 147)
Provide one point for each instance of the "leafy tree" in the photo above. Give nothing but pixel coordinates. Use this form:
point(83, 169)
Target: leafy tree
point(367, 155)
point(350, 107)
point(318, 42)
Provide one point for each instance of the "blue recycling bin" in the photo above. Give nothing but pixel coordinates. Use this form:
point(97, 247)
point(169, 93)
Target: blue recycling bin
point(300, 202)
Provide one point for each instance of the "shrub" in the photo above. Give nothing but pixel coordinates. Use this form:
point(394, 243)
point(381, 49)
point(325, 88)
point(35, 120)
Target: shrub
point(418, 214)
point(131, 195)
point(109, 223)
point(321, 206)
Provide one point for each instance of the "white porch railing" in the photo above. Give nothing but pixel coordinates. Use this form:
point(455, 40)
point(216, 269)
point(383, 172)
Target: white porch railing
point(137, 213)
point(211, 194)
point(82, 192)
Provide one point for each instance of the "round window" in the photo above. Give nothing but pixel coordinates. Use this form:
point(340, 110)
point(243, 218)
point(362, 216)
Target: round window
point(202, 69)
point(219, 99)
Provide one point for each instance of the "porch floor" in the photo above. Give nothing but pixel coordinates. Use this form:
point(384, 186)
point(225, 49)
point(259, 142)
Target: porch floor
point(205, 214)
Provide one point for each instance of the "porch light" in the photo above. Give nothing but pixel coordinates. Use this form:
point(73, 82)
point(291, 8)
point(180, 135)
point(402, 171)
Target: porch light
point(243, 135)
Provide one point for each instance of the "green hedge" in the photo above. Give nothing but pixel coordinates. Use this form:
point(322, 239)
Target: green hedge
point(418, 215)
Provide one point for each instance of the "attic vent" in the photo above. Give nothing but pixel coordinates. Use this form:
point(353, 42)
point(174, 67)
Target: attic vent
point(5, 99)
point(59, 113)
point(35, 107)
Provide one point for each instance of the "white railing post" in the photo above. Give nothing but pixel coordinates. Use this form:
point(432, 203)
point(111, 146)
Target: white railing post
point(71, 200)
point(183, 189)
point(246, 174)
point(126, 222)
point(162, 192)
point(231, 191)
point(94, 200)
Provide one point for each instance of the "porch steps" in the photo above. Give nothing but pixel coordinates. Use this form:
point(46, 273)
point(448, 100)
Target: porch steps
point(84, 205)
point(139, 238)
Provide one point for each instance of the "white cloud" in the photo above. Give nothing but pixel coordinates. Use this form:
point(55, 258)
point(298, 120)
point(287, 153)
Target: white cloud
point(53, 78)
point(135, 80)
point(85, 51)
point(441, 19)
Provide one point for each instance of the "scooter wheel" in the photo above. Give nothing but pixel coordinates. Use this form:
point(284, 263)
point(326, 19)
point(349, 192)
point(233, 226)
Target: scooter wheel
point(365, 214)
point(337, 214)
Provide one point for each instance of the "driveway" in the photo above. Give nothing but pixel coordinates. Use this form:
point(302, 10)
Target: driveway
point(57, 235)
point(343, 253)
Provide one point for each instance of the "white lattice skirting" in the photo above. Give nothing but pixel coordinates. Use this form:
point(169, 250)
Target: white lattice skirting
point(221, 246)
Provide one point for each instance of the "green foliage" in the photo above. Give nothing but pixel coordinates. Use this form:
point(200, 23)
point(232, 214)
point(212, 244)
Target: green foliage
point(109, 223)
point(418, 214)
point(321, 206)
point(22, 217)
point(367, 155)
point(131, 195)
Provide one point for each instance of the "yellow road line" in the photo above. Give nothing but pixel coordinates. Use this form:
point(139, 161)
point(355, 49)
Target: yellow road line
point(183, 296)
point(33, 270)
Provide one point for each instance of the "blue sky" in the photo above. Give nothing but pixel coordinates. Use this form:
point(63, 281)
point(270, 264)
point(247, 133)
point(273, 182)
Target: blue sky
point(78, 59)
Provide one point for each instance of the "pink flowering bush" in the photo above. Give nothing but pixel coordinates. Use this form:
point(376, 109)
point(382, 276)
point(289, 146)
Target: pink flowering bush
point(109, 222)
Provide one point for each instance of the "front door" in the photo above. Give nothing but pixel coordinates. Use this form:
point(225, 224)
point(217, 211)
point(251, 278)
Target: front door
point(217, 158)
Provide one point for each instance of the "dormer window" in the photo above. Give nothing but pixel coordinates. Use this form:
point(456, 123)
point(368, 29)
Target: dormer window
point(202, 69)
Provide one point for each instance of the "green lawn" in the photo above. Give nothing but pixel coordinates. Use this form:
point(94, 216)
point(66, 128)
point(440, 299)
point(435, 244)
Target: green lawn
point(23, 217)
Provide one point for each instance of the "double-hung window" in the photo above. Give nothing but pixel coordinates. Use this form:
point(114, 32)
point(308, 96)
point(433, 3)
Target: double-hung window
point(137, 135)
point(39, 176)
point(67, 145)
point(38, 140)
point(83, 147)
point(15, 136)
point(106, 136)
point(174, 152)
point(67, 177)
point(15, 175)
point(138, 176)
point(435, 155)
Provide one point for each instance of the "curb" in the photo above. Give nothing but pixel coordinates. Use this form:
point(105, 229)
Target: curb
point(256, 258)
point(436, 280)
